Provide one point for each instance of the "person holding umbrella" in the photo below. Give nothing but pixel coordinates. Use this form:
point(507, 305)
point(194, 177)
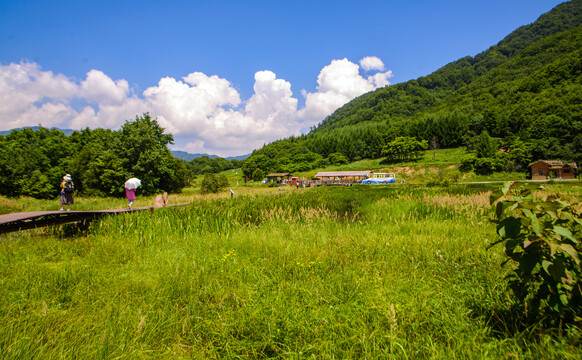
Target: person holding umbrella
point(130, 186)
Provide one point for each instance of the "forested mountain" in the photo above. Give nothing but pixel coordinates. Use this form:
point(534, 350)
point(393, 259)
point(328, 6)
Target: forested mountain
point(421, 95)
point(523, 94)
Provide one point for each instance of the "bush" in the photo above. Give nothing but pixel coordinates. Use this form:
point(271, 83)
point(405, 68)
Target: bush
point(213, 184)
point(258, 175)
point(466, 164)
point(485, 166)
point(543, 239)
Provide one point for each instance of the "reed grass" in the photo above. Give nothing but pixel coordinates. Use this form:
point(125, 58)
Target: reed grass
point(359, 272)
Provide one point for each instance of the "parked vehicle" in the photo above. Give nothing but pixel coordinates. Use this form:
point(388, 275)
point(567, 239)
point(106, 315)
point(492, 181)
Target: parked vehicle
point(380, 178)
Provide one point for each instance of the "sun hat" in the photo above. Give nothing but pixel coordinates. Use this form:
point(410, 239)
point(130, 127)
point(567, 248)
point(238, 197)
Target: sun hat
point(67, 177)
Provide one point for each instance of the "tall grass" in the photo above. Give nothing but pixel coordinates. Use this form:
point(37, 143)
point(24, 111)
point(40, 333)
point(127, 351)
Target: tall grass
point(360, 272)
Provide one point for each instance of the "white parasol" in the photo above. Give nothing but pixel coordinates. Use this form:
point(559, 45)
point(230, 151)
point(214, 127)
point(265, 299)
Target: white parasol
point(132, 183)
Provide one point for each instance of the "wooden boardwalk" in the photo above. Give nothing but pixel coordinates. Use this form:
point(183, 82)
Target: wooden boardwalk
point(35, 219)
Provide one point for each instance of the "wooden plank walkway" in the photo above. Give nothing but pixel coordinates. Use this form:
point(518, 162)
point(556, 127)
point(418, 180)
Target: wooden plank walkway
point(35, 219)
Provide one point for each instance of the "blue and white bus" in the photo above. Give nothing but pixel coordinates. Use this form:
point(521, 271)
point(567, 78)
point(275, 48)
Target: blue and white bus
point(380, 178)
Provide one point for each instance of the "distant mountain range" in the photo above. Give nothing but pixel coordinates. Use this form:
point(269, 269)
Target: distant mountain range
point(6, 132)
point(187, 156)
point(177, 153)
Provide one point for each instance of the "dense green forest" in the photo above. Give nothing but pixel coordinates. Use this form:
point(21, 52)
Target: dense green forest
point(33, 162)
point(523, 95)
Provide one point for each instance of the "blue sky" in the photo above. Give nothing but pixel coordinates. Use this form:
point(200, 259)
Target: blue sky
point(226, 77)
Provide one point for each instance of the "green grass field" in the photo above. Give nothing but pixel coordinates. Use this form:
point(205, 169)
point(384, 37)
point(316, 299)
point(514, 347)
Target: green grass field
point(437, 166)
point(398, 272)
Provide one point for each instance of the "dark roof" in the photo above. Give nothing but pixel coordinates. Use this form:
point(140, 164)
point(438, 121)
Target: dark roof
point(278, 174)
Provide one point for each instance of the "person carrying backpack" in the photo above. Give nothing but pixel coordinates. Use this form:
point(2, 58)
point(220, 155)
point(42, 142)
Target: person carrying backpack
point(67, 189)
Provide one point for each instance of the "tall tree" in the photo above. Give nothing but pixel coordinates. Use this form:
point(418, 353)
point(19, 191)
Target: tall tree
point(144, 153)
point(485, 147)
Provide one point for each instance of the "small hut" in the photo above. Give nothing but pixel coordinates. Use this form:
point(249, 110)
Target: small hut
point(547, 169)
point(279, 178)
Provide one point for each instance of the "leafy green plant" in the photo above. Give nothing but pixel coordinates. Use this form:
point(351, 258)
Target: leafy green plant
point(213, 183)
point(543, 239)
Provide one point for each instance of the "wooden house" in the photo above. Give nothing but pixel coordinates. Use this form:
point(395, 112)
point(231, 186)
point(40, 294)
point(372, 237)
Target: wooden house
point(548, 169)
point(279, 178)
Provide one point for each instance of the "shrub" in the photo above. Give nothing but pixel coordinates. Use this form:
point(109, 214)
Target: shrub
point(258, 175)
point(543, 239)
point(485, 166)
point(466, 164)
point(213, 184)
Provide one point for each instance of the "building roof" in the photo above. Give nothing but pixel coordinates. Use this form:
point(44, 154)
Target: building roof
point(556, 164)
point(278, 174)
point(342, 173)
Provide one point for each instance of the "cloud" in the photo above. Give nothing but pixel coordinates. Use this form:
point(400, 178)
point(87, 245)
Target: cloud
point(380, 79)
point(272, 108)
point(100, 89)
point(204, 113)
point(372, 63)
point(338, 83)
point(24, 92)
point(269, 114)
point(190, 106)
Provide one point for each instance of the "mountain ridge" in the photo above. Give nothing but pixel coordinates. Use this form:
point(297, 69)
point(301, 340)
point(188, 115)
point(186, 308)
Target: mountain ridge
point(189, 156)
point(456, 74)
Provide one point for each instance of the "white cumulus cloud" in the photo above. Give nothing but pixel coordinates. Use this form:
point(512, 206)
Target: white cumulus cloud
point(24, 94)
point(190, 106)
point(269, 114)
point(372, 63)
point(100, 89)
point(204, 113)
point(380, 79)
point(338, 83)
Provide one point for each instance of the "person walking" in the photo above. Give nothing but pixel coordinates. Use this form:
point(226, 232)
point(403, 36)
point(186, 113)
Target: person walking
point(130, 186)
point(130, 194)
point(67, 189)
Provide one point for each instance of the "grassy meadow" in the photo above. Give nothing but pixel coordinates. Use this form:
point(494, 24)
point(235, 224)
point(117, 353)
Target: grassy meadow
point(436, 166)
point(361, 272)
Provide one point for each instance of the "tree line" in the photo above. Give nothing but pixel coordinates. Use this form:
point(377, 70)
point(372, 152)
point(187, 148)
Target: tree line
point(207, 165)
point(33, 162)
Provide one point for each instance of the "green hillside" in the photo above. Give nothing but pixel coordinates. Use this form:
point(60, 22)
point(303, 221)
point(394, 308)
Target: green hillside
point(523, 93)
point(422, 95)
